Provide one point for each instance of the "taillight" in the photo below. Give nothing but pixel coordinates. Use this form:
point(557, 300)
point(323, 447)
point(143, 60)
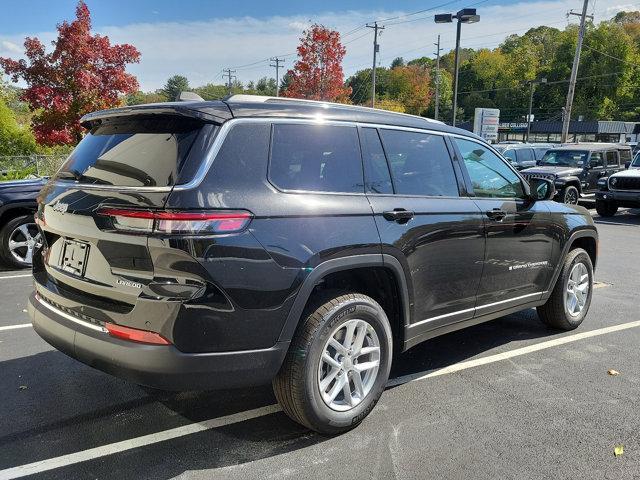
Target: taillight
point(135, 335)
point(166, 222)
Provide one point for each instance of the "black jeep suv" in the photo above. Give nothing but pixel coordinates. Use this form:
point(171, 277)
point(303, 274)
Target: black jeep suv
point(575, 169)
point(237, 242)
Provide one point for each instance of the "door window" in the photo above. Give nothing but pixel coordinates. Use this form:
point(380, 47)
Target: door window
point(490, 175)
point(420, 163)
point(319, 158)
point(612, 159)
point(376, 170)
point(510, 154)
point(596, 160)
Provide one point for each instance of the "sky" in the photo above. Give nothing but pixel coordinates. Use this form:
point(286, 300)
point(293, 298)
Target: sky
point(199, 38)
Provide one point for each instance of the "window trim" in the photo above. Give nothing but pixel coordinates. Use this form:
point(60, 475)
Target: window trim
point(470, 190)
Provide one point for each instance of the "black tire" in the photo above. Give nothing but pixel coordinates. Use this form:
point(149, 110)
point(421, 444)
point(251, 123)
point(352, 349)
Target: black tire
point(296, 386)
point(555, 312)
point(5, 234)
point(570, 195)
point(606, 209)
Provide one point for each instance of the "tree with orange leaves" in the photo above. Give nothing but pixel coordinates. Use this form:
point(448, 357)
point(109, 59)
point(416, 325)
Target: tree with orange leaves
point(317, 74)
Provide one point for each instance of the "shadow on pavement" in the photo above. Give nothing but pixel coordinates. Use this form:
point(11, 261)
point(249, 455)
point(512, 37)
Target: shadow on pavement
point(69, 407)
point(626, 217)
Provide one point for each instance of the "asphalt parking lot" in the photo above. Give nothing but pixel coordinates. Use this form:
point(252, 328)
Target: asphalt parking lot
point(506, 399)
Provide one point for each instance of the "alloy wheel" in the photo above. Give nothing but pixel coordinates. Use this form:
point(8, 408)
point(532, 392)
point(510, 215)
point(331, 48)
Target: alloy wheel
point(349, 365)
point(577, 289)
point(22, 241)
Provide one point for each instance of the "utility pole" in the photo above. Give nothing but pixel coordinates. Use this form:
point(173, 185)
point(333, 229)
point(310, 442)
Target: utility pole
point(574, 71)
point(376, 48)
point(277, 63)
point(230, 77)
point(438, 50)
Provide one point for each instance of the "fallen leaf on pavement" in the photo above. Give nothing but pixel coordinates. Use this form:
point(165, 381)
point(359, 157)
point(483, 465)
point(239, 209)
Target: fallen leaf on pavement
point(618, 450)
point(613, 373)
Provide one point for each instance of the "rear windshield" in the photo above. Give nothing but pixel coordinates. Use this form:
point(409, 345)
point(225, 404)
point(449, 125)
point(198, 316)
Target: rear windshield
point(565, 158)
point(138, 152)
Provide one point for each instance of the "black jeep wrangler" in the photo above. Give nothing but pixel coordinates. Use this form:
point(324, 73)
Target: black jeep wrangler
point(576, 169)
point(232, 243)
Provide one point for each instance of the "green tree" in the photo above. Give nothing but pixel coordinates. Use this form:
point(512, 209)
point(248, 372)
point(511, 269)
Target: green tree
point(141, 98)
point(14, 139)
point(397, 62)
point(174, 86)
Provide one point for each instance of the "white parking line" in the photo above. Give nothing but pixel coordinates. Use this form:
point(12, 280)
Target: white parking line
point(14, 327)
point(153, 438)
point(15, 276)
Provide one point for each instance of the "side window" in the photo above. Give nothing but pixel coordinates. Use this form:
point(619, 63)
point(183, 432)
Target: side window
point(525, 155)
point(612, 159)
point(596, 160)
point(420, 163)
point(376, 170)
point(318, 158)
point(490, 175)
point(510, 154)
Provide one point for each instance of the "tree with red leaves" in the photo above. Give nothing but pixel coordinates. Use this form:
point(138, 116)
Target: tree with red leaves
point(317, 74)
point(82, 74)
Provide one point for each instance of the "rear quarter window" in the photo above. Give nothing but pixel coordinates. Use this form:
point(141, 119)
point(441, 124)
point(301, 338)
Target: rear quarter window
point(316, 158)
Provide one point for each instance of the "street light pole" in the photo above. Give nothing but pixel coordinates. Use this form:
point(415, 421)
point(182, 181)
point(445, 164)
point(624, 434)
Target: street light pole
point(455, 75)
point(437, 106)
point(466, 15)
point(532, 84)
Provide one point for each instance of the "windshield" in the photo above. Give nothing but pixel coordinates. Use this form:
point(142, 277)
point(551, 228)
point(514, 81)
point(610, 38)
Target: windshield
point(636, 161)
point(138, 152)
point(564, 158)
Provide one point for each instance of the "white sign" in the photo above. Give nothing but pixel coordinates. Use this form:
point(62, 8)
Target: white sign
point(485, 123)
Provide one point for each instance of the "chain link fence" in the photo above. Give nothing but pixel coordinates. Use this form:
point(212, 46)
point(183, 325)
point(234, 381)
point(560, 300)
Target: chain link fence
point(16, 167)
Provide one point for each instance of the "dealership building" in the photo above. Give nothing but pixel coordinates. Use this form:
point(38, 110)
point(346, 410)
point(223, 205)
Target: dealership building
point(579, 131)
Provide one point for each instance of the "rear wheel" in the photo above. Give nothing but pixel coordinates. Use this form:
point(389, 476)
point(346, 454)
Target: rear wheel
point(338, 364)
point(606, 209)
point(571, 297)
point(18, 239)
point(570, 195)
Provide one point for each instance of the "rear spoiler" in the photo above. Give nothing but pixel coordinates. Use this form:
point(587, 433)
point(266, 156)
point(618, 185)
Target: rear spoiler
point(214, 112)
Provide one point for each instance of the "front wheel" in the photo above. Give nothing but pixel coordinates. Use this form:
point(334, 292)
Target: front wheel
point(570, 195)
point(338, 363)
point(571, 297)
point(606, 209)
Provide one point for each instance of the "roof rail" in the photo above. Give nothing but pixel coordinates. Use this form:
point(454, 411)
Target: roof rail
point(240, 98)
point(189, 97)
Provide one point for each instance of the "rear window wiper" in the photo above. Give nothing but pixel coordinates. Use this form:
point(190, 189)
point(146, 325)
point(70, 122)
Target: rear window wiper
point(79, 177)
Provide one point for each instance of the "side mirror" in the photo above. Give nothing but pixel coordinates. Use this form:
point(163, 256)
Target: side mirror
point(541, 189)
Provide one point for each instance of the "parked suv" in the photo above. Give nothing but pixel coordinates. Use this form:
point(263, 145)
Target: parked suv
point(621, 189)
point(523, 155)
point(576, 168)
point(18, 231)
point(233, 243)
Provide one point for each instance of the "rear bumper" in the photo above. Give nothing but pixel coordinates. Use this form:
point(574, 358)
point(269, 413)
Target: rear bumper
point(623, 199)
point(157, 366)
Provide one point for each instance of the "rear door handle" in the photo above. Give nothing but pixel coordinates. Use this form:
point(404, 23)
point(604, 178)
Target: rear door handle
point(496, 214)
point(399, 215)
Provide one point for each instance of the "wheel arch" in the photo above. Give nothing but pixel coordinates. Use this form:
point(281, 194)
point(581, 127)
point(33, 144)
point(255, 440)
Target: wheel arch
point(13, 210)
point(362, 273)
point(586, 239)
